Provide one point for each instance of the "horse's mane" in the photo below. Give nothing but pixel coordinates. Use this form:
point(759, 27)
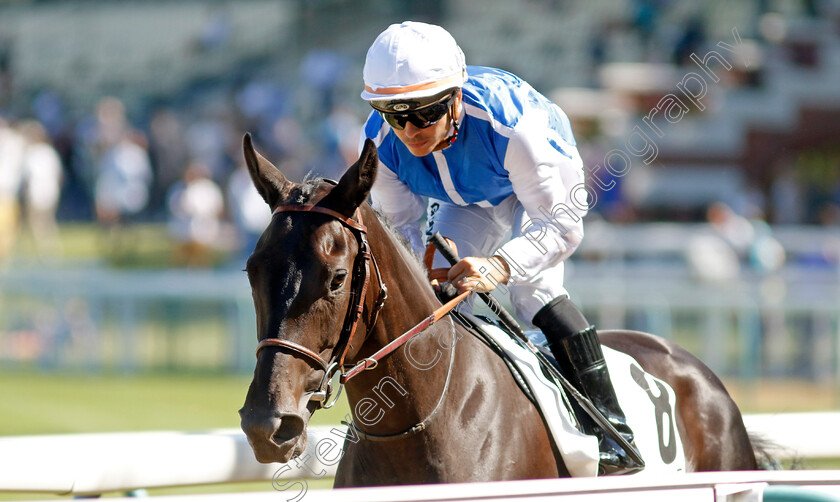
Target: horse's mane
point(415, 261)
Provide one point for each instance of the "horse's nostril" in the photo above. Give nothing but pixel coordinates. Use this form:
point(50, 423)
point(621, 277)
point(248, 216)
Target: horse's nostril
point(259, 428)
point(291, 426)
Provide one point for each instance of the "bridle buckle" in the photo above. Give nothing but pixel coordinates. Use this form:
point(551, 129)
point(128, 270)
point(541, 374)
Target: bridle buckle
point(325, 389)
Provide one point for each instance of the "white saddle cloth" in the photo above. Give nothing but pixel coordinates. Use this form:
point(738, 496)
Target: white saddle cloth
point(648, 403)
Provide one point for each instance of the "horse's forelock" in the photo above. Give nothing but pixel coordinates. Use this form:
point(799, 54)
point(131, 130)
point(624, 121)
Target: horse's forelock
point(306, 191)
point(313, 187)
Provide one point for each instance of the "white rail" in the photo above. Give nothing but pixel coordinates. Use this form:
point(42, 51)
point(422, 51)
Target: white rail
point(744, 486)
point(803, 435)
point(97, 463)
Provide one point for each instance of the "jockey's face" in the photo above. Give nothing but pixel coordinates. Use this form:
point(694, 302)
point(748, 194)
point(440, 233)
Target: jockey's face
point(422, 142)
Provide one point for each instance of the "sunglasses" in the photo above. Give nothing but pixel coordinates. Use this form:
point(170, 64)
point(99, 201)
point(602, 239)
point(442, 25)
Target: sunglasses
point(421, 118)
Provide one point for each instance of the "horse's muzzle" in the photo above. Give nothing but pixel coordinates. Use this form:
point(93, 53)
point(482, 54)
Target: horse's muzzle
point(274, 438)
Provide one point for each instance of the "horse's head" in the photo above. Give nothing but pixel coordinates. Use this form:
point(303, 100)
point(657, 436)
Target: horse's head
point(300, 274)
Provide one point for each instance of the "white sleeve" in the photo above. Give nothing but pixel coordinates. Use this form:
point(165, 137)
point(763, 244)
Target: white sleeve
point(544, 179)
point(395, 199)
point(402, 207)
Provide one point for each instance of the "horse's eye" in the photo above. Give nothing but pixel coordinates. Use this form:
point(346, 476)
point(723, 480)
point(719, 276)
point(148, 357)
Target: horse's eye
point(338, 280)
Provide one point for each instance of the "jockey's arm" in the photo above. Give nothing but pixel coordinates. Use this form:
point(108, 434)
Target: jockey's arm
point(543, 173)
point(546, 172)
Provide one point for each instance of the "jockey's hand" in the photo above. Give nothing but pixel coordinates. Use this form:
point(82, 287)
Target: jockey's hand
point(481, 274)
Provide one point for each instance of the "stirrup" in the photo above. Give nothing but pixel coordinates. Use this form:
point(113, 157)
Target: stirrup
point(613, 460)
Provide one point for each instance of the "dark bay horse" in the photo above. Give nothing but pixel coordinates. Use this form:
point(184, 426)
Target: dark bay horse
point(434, 410)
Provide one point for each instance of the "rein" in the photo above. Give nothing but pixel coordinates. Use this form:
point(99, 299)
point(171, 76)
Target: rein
point(371, 362)
point(358, 288)
point(421, 426)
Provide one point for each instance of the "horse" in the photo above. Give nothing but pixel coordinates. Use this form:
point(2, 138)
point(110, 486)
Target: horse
point(428, 413)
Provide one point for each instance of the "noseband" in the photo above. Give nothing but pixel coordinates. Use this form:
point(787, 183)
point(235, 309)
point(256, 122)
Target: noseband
point(358, 289)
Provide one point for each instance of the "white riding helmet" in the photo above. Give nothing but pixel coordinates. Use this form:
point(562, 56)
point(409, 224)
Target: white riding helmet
point(412, 61)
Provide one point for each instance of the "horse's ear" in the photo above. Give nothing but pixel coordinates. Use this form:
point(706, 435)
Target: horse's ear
point(355, 184)
point(270, 182)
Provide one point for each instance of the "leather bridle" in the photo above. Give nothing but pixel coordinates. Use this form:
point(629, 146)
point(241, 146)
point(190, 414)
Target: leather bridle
point(358, 289)
point(360, 280)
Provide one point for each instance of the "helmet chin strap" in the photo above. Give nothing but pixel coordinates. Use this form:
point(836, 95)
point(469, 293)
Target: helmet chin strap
point(451, 139)
point(445, 142)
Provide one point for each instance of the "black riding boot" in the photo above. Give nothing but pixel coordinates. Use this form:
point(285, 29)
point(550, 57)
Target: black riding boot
point(574, 343)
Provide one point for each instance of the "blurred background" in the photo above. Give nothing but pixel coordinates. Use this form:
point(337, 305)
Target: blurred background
point(711, 131)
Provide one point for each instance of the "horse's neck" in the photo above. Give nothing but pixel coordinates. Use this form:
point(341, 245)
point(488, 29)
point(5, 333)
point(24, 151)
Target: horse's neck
point(409, 389)
point(410, 297)
point(444, 379)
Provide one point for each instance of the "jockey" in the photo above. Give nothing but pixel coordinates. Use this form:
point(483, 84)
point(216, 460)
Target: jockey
point(498, 163)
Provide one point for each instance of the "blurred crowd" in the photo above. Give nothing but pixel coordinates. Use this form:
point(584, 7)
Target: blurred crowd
point(178, 162)
point(30, 171)
point(181, 165)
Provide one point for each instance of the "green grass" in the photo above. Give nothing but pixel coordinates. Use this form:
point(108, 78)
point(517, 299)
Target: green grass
point(58, 403)
point(32, 403)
